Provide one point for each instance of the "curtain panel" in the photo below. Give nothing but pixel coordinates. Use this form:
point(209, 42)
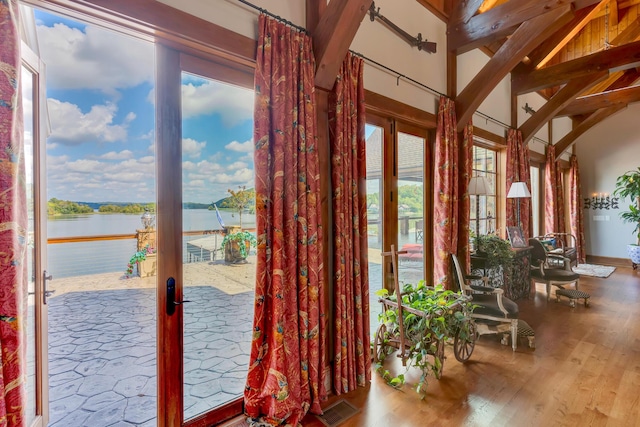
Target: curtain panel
point(446, 192)
point(518, 170)
point(553, 194)
point(13, 223)
point(352, 359)
point(575, 206)
point(286, 369)
point(465, 171)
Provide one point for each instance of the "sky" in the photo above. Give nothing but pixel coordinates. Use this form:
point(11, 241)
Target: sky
point(100, 100)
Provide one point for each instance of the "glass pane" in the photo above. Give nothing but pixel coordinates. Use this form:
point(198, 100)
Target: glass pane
point(219, 241)
point(29, 151)
point(535, 199)
point(484, 208)
point(374, 136)
point(411, 207)
point(100, 176)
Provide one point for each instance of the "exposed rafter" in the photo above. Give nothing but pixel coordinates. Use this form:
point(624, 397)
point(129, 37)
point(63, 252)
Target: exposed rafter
point(565, 96)
point(464, 11)
point(591, 103)
point(547, 50)
point(496, 23)
point(333, 36)
point(622, 57)
point(524, 39)
point(595, 118)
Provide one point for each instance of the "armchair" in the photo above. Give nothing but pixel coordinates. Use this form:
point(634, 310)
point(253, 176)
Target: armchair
point(564, 244)
point(554, 269)
point(491, 308)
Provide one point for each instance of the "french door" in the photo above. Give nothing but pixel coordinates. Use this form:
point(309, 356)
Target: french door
point(205, 302)
point(33, 102)
point(398, 204)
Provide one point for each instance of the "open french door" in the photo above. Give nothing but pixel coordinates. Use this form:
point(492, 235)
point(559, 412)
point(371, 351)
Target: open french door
point(35, 127)
point(204, 326)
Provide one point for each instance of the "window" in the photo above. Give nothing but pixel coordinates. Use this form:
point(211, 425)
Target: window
point(535, 199)
point(483, 208)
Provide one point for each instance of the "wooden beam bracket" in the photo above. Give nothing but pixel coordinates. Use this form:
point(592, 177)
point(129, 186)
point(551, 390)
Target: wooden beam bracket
point(427, 46)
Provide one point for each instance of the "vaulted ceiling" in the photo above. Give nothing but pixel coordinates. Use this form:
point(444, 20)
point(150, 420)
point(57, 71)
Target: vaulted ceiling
point(583, 56)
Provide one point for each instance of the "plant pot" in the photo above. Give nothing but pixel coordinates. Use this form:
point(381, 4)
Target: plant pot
point(147, 267)
point(232, 252)
point(634, 254)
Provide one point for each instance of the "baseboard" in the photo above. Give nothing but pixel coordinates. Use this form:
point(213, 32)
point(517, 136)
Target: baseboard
point(605, 260)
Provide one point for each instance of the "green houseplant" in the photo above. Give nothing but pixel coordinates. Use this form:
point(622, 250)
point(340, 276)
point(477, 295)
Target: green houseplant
point(628, 186)
point(445, 314)
point(236, 245)
point(496, 251)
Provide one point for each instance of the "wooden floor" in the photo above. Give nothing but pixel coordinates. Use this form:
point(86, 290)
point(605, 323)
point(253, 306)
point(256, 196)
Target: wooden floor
point(584, 371)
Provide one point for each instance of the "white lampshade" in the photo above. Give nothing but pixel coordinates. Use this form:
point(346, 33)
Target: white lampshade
point(518, 190)
point(480, 186)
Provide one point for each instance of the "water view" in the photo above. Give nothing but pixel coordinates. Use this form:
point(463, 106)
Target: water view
point(82, 258)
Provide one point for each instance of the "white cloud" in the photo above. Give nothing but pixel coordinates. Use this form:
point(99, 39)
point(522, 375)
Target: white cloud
point(234, 104)
point(97, 59)
point(237, 165)
point(112, 155)
point(70, 126)
point(241, 147)
point(192, 148)
point(241, 176)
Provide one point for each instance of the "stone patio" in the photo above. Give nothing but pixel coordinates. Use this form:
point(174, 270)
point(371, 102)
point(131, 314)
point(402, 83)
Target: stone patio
point(102, 349)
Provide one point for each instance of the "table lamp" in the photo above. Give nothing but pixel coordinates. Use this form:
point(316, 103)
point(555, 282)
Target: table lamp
point(518, 191)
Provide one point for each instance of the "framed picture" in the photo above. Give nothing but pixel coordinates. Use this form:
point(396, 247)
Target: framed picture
point(516, 237)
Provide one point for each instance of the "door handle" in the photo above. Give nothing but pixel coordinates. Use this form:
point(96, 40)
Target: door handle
point(46, 293)
point(171, 297)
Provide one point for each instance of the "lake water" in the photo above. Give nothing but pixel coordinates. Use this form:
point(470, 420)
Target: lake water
point(76, 259)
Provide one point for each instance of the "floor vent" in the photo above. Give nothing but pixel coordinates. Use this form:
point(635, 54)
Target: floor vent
point(337, 413)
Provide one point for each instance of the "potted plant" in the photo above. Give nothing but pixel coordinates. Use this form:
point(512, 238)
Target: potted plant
point(628, 185)
point(431, 317)
point(145, 260)
point(496, 251)
point(236, 246)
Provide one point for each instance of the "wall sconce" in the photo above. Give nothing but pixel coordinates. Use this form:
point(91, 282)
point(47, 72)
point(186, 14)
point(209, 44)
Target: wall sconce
point(601, 201)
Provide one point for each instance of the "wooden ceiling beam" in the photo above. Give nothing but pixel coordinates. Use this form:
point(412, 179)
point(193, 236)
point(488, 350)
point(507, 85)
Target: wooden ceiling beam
point(550, 47)
point(613, 12)
point(622, 57)
point(333, 36)
point(564, 97)
point(526, 37)
point(464, 11)
point(497, 23)
point(568, 140)
point(314, 10)
point(591, 103)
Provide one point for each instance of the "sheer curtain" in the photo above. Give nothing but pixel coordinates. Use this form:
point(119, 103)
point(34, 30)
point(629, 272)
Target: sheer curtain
point(286, 371)
point(352, 359)
point(13, 223)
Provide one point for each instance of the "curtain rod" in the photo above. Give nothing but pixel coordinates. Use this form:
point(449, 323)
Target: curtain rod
point(276, 17)
point(398, 74)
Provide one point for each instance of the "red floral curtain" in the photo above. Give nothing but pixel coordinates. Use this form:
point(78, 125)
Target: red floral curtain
point(553, 194)
point(13, 223)
point(466, 169)
point(352, 360)
point(286, 371)
point(446, 192)
point(575, 206)
point(518, 170)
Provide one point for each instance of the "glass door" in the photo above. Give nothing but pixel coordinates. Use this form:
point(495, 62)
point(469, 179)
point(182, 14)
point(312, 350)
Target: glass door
point(206, 237)
point(33, 102)
point(411, 188)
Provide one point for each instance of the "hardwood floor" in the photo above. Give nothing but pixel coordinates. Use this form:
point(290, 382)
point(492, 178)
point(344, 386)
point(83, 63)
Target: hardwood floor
point(585, 370)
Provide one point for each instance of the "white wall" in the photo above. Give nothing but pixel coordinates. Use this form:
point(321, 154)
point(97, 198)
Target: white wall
point(377, 42)
point(606, 151)
point(237, 17)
